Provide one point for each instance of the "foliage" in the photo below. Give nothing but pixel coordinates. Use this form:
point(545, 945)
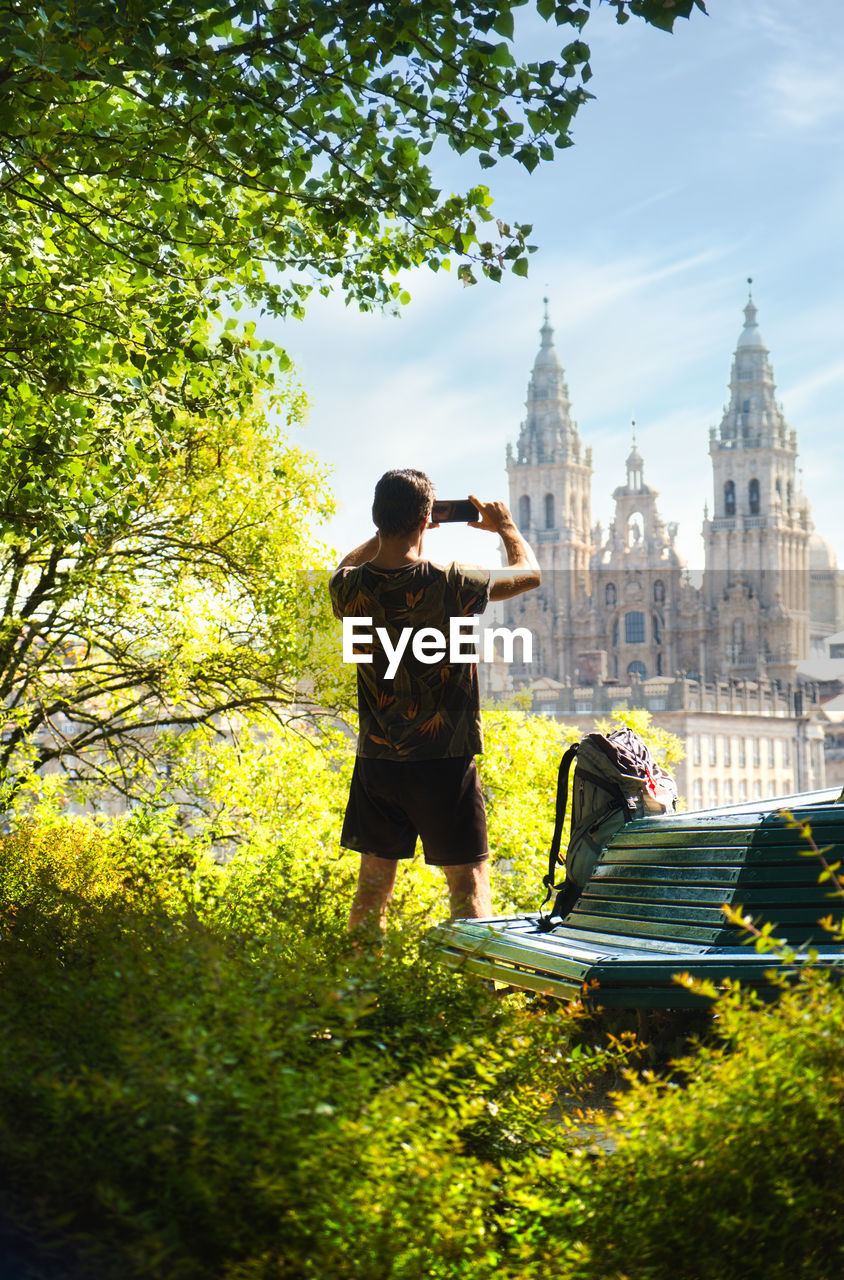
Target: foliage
point(662, 13)
point(161, 165)
point(722, 1179)
point(265, 794)
point(177, 1036)
point(519, 774)
point(166, 1051)
point(200, 604)
point(200, 143)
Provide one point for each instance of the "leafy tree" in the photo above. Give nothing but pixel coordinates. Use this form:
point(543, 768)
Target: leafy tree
point(202, 142)
point(159, 166)
point(159, 163)
point(204, 609)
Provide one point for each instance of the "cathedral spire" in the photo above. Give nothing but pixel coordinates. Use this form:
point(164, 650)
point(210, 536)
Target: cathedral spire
point(753, 417)
point(757, 535)
point(546, 332)
point(750, 335)
point(548, 433)
point(635, 466)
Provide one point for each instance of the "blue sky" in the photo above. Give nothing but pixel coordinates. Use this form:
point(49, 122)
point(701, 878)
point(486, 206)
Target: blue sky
point(708, 155)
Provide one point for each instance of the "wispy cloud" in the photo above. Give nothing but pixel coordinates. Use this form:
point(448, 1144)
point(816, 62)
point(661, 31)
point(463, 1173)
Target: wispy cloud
point(796, 84)
point(800, 395)
point(805, 95)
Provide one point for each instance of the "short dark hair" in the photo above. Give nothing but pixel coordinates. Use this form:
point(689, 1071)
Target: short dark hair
point(402, 501)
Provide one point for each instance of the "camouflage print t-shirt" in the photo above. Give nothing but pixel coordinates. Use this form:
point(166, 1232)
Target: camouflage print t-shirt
point(427, 710)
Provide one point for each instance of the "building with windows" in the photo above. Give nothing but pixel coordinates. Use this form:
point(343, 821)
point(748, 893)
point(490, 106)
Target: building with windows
point(745, 740)
point(619, 615)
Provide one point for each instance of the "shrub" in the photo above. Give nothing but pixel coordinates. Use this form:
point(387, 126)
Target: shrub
point(730, 1177)
point(197, 1081)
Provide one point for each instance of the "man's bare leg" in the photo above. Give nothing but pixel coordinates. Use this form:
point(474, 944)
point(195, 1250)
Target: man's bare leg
point(469, 890)
point(376, 881)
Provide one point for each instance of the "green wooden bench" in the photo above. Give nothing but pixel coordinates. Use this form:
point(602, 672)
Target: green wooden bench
point(653, 909)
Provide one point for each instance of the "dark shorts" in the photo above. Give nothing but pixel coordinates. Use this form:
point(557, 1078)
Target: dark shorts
point(391, 802)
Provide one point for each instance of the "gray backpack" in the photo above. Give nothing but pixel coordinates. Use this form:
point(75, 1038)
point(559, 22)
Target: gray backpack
point(615, 779)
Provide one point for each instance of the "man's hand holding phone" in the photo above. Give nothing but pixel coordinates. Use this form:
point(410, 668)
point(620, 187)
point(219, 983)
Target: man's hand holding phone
point(494, 516)
point(453, 511)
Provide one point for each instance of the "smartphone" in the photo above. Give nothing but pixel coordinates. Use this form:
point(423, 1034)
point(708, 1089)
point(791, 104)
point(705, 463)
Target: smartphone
point(454, 511)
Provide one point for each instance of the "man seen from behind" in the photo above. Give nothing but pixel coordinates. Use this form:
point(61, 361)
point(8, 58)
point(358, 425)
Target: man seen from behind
point(420, 730)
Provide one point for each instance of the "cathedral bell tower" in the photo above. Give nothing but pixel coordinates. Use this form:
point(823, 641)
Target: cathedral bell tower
point(757, 541)
point(550, 480)
point(644, 613)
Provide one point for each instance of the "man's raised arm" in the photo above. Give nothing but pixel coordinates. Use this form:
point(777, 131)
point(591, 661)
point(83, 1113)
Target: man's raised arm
point(522, 573)
point(365, 552)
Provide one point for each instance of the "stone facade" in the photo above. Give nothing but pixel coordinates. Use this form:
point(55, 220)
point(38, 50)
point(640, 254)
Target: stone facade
point(619, 611)
point(756, 580)
point(551, 496)
point(745, 740)
point(623, 604)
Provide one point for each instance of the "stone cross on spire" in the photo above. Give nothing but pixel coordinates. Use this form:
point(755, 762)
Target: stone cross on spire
point(546, 331)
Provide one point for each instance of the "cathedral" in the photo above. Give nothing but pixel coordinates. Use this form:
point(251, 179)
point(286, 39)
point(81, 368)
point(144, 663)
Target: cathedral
point(621, 605)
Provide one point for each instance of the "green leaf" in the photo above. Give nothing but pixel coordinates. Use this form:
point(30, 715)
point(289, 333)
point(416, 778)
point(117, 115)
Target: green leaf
point(504, 25)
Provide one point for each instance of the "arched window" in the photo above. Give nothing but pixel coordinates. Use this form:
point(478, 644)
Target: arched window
point(729, 498)
point(549, 511)
point(738, 633)
point(524, 511)
point(634, 627)
point(753, 497)
point(610, 595)
point(659, 592)
point(638, 669)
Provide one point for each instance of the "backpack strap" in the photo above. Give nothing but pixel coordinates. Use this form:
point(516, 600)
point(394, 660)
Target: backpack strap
point(562, 803)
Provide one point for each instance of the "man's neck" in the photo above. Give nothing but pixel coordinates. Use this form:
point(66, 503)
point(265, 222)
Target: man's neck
point(398, 553)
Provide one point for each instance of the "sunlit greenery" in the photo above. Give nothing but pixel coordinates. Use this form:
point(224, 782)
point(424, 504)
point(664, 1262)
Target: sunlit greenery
point(204, 610)
point(201, 1076)
point(178, 1037)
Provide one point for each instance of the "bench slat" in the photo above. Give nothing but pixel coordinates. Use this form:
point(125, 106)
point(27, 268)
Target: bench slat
point(636, 836)
point(783, 914)
point(719, 855)
point(684, 949)
point(634, 912)
point(680, 932)
point(701, 822)
point(805, 873)
point(770, 896)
